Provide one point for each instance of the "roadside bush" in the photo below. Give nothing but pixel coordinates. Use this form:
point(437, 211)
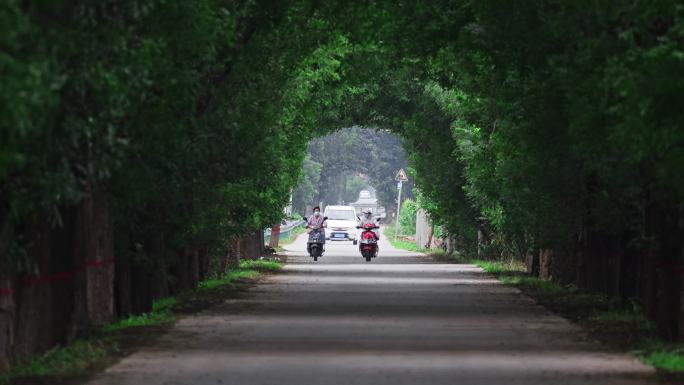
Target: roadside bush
point(407, 217)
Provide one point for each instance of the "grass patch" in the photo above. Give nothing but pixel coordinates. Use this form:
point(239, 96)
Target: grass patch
point(261, 265)
point(441, 255)
point(164, 304)
point(618, 324)
point(161, 314)
point(671, 360)
point(404, 244)
point(618, 316)
point(249, 269)
point(70, 360)
point(511, 267)
point(153, 318)
point(228, 278)
point(102, 345)
point(401, 242)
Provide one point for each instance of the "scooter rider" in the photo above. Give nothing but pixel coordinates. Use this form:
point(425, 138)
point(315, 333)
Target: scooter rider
point(316, 220)
point(368, 218)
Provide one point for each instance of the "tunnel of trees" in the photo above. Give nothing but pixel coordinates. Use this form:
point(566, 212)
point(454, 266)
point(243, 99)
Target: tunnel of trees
point(145, 144)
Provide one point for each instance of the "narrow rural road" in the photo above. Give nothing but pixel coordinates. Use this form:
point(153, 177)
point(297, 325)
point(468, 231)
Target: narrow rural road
point(397, 320)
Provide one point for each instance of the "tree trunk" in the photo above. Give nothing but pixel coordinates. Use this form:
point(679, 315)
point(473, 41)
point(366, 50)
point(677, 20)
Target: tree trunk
point(194, 268)
point(6, 320)
point(422, 228)
point(663, 252)
point(233, 255)
point(647, 283)
point(33, 323)
point(669, 271)
point(616, 263)
point(451, 244)
point(7, 309)
point(480, 242)
point(680, 270)
point(252, 245)
point(532, 263)
point(275, 236)
point(203, 263)
point(262, 242)
point(580, 255)
point(122, 281)
point(123, 274)
point(142, 282)
point(545, 261)
point(185, 270)
point(94, 256)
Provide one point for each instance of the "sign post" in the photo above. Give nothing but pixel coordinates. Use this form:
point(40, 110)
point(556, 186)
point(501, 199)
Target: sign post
point(400, 178)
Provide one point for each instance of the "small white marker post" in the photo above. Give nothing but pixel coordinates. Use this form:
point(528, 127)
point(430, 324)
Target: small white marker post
point(400, 178)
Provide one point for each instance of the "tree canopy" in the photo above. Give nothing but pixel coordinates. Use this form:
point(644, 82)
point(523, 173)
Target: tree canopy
point(532, 122)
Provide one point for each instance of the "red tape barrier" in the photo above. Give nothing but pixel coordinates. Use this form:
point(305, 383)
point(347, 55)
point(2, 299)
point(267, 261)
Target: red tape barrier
point(675, 266)
point(64, 276)
point(47, 279)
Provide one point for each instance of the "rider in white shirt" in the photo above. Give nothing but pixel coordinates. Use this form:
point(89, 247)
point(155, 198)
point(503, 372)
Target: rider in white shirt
point(368, 218)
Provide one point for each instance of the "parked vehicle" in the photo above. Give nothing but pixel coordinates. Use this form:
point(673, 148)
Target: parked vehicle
point(368, 244)
point(342, 222)
point(314, 245)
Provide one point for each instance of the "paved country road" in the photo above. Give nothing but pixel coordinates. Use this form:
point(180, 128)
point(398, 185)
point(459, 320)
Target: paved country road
point(397, 320)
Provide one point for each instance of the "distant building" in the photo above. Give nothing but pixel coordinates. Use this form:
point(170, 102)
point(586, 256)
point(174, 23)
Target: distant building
point(367, 200)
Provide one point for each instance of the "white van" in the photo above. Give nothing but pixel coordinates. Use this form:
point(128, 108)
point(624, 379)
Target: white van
point(342, 221)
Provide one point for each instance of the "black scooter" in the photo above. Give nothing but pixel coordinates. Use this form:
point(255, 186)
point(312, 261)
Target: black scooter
point(316, 239)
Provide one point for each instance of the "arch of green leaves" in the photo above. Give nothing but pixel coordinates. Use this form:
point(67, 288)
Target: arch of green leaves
point(140, 139)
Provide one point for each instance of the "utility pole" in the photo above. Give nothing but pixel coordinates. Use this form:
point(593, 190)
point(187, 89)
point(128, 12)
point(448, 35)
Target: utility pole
point(400, 178)
point(396, 225)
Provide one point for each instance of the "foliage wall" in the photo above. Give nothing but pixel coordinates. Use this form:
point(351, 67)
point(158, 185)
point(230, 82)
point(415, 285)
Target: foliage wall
point(540, 125)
